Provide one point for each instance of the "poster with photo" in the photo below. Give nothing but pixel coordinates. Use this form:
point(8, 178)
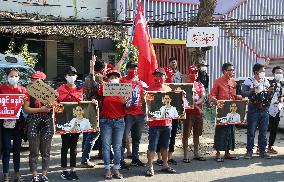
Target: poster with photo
point(160, 105)
point(231, 112)
point(187, 88)
point(73, 117)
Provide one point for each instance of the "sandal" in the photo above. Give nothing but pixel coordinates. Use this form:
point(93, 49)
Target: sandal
point(108, 176)
point(168, 170)
point(231, 158)
point(186, 160)
point(219, 159)
point(199, 158)
point(172, 161)
point(150, 172)
point(117, 176)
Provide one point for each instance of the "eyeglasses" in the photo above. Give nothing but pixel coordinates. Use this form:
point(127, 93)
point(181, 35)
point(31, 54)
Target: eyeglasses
point(230, 70)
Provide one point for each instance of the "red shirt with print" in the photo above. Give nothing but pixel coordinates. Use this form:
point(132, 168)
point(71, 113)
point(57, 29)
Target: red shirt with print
point(68, 94)
point(6, 89)
point(159, 122)
point(112, 106)
point(135, 109)
point(199, 91)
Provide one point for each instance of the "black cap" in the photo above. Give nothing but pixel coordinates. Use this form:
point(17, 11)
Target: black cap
point(131, 64)
point(70, 69)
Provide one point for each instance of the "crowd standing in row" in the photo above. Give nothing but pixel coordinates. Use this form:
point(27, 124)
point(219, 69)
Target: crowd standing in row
point(121, 116)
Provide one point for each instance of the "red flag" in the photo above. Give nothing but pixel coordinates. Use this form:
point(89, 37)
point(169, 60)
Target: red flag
point(147, 61)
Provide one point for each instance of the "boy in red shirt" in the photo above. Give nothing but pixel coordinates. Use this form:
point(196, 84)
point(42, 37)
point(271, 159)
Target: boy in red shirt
point(159, 132)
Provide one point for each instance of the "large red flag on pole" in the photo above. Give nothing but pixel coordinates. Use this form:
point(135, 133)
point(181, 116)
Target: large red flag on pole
point(147, 61)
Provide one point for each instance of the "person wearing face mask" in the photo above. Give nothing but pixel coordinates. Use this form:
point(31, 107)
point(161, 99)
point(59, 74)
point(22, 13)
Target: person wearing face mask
point(177, 75)
point(112, 126)
point(69, 92)
point(275, 106)
point(194, 120)
point(257, 89)
point(224, 88)
point(40, 131)
point(134, 119)
point(159, 129)
point(203, 75)
point(11, 129)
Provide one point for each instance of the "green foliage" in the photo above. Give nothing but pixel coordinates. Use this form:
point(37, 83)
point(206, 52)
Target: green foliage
point(24, 52)
point(121, 45)
point(210, 112)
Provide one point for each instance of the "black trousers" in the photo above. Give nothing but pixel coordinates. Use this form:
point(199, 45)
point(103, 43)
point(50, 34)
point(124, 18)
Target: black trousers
point(273, 126)
point(69, 141)
point(175, 124)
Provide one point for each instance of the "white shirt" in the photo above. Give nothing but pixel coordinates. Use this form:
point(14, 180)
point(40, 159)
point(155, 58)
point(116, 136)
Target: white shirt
point(233, 117)
point(170, 112)
point(275, 105)
point(78, 125)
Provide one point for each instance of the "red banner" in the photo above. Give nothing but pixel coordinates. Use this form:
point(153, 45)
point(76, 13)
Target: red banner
point(10, 105)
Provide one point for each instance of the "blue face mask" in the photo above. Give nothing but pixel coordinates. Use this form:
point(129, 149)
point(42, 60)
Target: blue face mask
point(13, 80)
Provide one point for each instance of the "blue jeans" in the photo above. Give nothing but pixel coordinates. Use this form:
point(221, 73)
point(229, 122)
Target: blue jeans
point(89, 139)
point(159, 133)
point(112, 133)
point(135, 124)
point(8, 135)
point(257, 117)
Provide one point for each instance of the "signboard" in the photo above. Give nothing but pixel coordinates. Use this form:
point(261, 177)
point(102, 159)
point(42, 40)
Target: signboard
point(188, 89)
point(202, 36)
point(73, 117)
point(42, 92)
point(161, 105)
point(10, 105)
point(117, 89)
point(231, 112)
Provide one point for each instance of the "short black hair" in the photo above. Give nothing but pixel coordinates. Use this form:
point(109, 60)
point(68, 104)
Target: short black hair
point(172, 58)
point(225, 66)
point(131, 64)
point(9, 70)
point(257, 67)
point(276, 68)
point(99, 66)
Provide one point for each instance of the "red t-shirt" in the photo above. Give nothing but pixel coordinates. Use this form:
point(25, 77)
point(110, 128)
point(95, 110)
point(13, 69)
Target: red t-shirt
point(199, 91)
point(136, 109)
point(112, 106)
point(68, 94)
point(159, 122)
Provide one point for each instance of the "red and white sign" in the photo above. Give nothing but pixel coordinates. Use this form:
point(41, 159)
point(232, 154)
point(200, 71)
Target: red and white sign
point(202, 36)
point(10, 105)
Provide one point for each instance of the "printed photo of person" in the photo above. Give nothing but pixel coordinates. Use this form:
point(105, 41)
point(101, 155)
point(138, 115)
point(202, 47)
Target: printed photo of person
point(233, 116)
point(168, 111)
point(79, 123)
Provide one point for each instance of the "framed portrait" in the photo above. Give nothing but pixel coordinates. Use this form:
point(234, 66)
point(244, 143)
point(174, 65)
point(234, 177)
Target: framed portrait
point(161, 105)
point(231, 112)
point(73, 117)
point(188, 89)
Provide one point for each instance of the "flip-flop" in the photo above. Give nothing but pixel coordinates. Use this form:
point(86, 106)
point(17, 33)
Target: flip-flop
point(150, 172)
point(232, 158)
point(219, 159)
point(108, 177)
point(168, 170)
point(117, 176)
point(186, 160)
point(199, 158)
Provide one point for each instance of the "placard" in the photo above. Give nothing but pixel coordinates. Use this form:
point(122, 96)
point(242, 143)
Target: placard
point(188, 89)
point(161, 105)
point(117, 89)
point(202, 36)
point(73, 117)
point(42, 92)
point(231, 112)
point(10, 105)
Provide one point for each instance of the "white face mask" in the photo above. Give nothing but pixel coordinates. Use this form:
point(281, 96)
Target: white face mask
point(278, 77)
point(13, 80)
point(261, 75)
point(203, 68)
point(115, 80)
point(71, 79)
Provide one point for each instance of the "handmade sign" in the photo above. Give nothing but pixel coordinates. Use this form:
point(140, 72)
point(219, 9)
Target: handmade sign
point(42, 92)
point(10, 105)
point(73, 117)
point(188, 89)
point(161, 105)
point(202, 36)
point(231, 112)
point(117, 89)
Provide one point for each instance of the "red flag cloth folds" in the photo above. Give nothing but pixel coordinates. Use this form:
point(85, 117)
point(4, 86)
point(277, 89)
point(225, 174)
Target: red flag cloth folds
point(147, 61)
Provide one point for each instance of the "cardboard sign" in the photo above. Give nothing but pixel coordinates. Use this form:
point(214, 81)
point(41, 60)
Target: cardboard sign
point(10, 105)
point(202, 36)
point(161, 105)
point(42, 92)
point(188, 89)
point(73, 117)
point(231, 112)
point(117, 89)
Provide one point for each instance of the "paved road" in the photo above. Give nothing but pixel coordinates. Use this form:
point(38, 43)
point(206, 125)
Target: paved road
point(259, 170)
